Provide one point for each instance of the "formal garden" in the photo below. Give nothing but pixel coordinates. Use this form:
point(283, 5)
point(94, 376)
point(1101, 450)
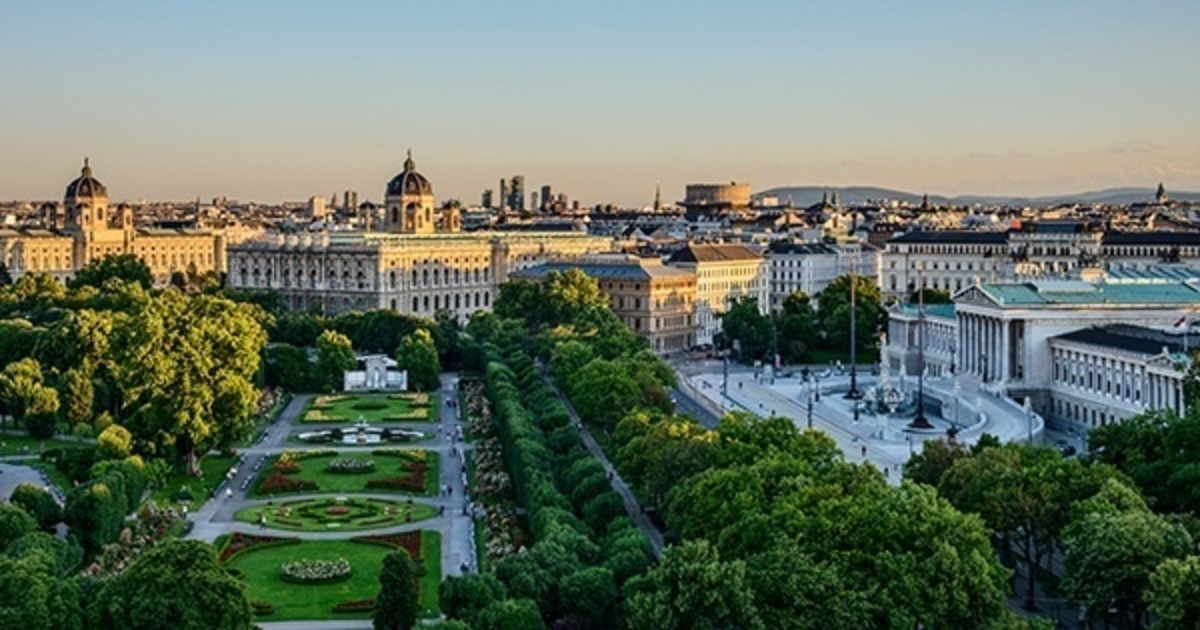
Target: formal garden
point(288, 578)
point(405, 407)
point(335, 514)
point(380, 471)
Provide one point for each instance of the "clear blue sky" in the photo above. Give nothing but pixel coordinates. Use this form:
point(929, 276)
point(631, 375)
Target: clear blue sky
point(286, 99)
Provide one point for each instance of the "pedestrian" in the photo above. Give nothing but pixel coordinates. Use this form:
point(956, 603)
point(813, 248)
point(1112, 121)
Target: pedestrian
point(610, 475)
point(885, 473)
point(864, 450)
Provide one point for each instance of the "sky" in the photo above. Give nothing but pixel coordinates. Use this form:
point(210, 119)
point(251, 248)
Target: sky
point(282, 100)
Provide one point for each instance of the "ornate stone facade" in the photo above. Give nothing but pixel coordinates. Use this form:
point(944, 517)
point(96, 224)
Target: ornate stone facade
point(86, 233)
point(422, 265)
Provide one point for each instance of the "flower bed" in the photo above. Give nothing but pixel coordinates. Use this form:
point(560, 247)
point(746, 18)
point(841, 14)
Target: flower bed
point(262, 608)
point(350, 466)
point(355, 605)
point(239, 542)
point(408, 541)
point(337, 510)
point(315, 571)
point(413, 482)
point(275, 481)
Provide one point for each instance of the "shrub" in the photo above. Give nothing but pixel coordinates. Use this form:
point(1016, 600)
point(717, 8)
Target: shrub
point(239, 542)
point(276, 482)
point(38, 503)
point(261, 608)
point(413, 483)
point(408, 541)
point(355, 605)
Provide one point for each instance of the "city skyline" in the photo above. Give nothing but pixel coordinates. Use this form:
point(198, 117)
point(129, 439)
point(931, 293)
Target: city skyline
point(279, 102)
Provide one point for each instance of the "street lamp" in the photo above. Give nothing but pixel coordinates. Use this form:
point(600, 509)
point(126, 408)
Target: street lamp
point(919, 421)
point(854, 394)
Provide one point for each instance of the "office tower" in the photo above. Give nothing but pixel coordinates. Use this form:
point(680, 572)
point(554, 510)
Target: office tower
point(516, 196)
point(316, 207)
point(486, 202)
point(547, 197)
point(533, 201)
point(504, 193)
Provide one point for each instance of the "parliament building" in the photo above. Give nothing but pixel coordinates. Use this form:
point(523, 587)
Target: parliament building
point(419, 262)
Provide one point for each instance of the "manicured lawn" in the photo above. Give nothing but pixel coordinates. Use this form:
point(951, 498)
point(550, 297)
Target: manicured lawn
point(213, 467)
point(312, 469)
point(311, 515)
point(21, 444)
point(260, 571)
point(372, 408)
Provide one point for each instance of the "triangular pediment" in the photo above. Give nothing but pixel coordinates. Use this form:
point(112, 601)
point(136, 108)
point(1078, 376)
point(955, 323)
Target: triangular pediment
point(974, 295)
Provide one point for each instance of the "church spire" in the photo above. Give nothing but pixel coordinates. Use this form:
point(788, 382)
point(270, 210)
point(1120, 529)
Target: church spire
point(1161, 195)
point(657, 197)
point(87, 169)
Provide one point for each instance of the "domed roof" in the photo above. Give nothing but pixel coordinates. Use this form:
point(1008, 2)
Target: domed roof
point(86, 185)
point(409, 181)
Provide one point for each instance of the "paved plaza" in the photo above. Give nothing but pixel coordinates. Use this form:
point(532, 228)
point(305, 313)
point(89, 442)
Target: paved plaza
point(879, 440)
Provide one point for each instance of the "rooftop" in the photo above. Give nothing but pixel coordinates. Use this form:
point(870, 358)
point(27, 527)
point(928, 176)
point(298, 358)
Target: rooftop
point(708, 253)
point(616, 269)
point(1073, 293)
point(969, 237)
point(1128, 338)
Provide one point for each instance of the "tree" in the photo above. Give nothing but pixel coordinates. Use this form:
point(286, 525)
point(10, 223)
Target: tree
point(20, 382)
point(929, 296)
point(14, 523)
point(463, 597)
point(747, 328)
point(510, 614)
point(1111, 549)
point(1160, 451)
point(396, 604)
point(520, 300)
point(95, 515)
point(570, 293)
point(1174, 594)
point(335, 355)
point(127, 267)
point(63, 556)
point(34, 597)
point(189, 588)
point(187, 369)
point(936, 457)
point(41, 415)
point(288, 367)
point(77, 394)
point(38, 503)
point(833, 313)
point(591, 595)
point(692, 588)
point(419, 357)
point(797, 326)
point(115, 442)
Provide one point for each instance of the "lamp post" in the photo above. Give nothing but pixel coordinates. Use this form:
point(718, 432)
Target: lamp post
point(853, 394)
point(919, 421)
point(810, 403)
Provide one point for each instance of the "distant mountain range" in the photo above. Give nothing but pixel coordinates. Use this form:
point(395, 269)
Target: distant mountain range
point(802, 196)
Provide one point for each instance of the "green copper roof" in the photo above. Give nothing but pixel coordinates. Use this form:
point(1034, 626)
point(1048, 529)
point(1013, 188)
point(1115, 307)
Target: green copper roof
point(1055, 293)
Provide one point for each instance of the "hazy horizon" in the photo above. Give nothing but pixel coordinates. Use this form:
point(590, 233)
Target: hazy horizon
point(276, 101)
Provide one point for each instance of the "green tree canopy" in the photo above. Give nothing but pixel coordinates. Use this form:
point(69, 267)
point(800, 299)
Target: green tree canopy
point(396, 604)
point(1174, 593)
point(38, 503)
point(127, 267)
point(187, 369)
point(693, 589)
point(745, 327)
point(418, 355)
point(833, 314)
point(335, 355)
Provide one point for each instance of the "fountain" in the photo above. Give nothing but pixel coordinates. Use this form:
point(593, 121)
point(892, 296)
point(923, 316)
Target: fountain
point(361, 431)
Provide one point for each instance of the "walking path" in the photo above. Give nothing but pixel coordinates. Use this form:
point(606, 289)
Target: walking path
point(632, 506)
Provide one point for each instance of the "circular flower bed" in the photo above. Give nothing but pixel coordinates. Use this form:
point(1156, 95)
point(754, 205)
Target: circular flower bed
point(315, 571)
point(337, 510)
point(350, 466)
